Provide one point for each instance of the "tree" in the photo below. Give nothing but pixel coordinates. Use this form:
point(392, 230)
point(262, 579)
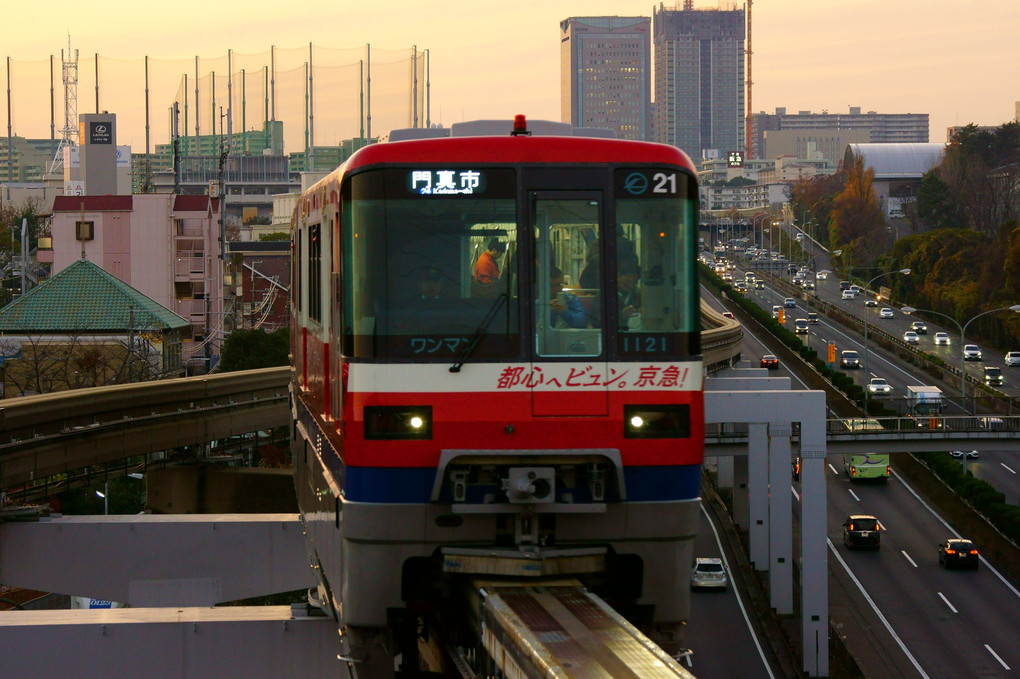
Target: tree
point(816, 196)
point(40, 364)
point(980, 175)
point(251, 349)
point(858, 226)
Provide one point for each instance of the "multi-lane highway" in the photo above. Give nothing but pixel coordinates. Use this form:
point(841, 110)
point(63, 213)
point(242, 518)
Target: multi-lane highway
point(902, 614)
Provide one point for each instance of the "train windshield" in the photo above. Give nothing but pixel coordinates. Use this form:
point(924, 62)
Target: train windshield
point(429, 264)
point(444, 265)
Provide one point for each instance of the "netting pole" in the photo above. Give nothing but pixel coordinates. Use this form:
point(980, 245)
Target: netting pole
point(306, 118)
point(368, 86)
point(146, 110)
point(185, 128)
point(230, 100)
point(414, 86)
point(198, 114)
point(244, 117)
point(97, 82)
point(428, 89)
point(272, 95)
point(53, 120)
point(212, 112)
point(265, 114)
point(10, 141)
point(311, 113)
point(361, 100)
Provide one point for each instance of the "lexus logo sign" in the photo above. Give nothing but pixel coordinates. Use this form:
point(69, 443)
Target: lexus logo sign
point(100, 133)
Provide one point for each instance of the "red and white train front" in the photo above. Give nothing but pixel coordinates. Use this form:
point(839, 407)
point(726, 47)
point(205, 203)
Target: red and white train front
point(497, 370)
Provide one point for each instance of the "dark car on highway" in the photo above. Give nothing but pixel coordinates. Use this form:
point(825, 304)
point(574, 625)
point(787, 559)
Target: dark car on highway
point(958, 553)
point(861, 530)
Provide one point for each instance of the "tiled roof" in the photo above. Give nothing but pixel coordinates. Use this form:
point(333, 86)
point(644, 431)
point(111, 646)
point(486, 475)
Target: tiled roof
point(83, 298)
point(92, 203)
point(194, 203)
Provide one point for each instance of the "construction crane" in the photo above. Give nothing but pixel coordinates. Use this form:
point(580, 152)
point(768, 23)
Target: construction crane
point(748, 140)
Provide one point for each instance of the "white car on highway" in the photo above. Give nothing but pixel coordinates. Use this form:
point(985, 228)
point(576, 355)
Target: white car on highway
point(1012, 358)
point(910, 337)
point(878, 385)
point(971, 352)
point(708, 572)
point(885, 313)
point(942, 338)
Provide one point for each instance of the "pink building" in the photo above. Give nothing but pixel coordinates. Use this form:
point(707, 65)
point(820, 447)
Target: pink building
point(165, 246)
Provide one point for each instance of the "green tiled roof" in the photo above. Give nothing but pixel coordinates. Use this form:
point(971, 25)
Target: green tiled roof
point(83, 298)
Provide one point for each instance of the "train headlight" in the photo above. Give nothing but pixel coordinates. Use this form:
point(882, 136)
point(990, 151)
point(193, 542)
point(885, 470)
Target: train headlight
point(398, 422)
point(671, 421)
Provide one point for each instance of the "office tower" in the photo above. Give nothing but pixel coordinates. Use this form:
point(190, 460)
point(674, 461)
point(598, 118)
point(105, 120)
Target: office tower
point(699, 79)
point(605, 74)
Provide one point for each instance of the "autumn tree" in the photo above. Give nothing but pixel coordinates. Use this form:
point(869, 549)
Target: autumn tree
point(815, 196)
point(857, 225)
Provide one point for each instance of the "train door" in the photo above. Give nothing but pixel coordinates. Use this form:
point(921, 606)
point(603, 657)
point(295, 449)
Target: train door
point(569, 367)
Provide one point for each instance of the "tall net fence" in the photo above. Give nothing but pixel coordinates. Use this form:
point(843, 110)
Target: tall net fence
point(321, 96)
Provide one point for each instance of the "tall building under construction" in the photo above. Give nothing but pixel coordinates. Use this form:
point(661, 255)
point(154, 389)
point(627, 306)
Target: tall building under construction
point(699, 78)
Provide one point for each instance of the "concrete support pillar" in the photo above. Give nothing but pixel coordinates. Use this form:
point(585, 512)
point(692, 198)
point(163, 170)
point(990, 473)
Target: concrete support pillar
point(814, 589)
point(741, 509)
point(725, 475)
point(780, 515)
point(758, 487)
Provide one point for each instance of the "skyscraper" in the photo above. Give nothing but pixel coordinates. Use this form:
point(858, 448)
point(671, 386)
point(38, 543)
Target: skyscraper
point(699, 79)
point(605, 74)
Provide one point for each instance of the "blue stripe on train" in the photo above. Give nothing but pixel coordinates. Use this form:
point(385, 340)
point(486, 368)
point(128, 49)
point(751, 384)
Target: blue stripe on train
point(414, 485)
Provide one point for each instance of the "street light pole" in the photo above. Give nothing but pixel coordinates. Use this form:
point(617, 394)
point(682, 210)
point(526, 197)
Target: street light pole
point(867, 373)
point(963, 329)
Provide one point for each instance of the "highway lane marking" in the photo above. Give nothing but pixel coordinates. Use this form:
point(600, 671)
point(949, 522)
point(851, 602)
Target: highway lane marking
point(795, 493)
point(924, 504)
point(907, 557)
point(736, 593)
point(996, 656)
point(880, 526)
point(874, 607)
point(1007, 468)
point(941, 596)
point(854, 494)
point(833, 469)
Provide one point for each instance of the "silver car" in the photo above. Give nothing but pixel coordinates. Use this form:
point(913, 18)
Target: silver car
point(708, 572)
point(910, 337)
point(942, 338)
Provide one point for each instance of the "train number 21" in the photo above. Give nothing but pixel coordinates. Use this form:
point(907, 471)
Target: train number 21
point(664, 183)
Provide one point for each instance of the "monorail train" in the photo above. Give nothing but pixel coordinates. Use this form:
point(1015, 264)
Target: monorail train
point(497, 371)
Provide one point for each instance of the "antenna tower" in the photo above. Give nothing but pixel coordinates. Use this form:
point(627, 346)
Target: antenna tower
point(69, 133)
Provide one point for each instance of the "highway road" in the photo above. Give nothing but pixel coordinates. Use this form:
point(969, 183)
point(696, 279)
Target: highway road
point(722, 631)
point(905, 617)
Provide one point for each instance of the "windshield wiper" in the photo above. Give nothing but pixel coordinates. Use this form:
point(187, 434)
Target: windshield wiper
point(479, 333)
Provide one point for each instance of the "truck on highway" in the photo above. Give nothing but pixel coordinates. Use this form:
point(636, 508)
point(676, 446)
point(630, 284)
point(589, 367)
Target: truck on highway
point(924, 400)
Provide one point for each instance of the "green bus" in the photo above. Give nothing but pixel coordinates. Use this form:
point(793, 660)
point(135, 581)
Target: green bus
point(861, 466)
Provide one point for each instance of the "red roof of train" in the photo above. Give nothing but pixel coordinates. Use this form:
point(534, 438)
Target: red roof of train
point(519, 149)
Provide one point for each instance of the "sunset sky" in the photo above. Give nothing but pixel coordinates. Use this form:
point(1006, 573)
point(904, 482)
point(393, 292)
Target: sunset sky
point(956, 60)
